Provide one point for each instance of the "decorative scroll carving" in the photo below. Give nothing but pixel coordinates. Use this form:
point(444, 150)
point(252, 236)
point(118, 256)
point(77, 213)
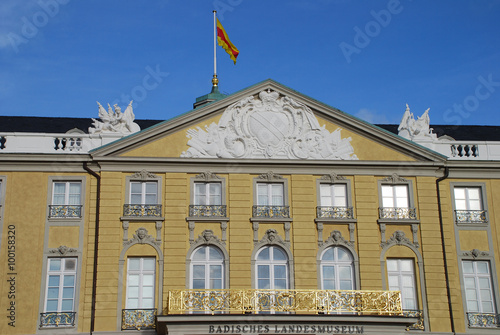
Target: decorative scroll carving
point(63, 250)
point(394, 179)
point(115, 121)
point(475, 253)
point(143, 175)
point(415, 129)
point(207, 176)
point(141, 236)
point(272, 237)
point(268, 126)
point(399, 238)
point(208, 237)
point(336, 238)
point(255, 227)
point(270, 176)
point(191, 226)
point(332, 177)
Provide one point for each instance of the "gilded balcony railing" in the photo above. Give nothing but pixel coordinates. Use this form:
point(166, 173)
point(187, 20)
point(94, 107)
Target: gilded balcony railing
point(138, 319)
point(483, 320)
point(141, 210)
point(419, 325)
point(207, 210)
point(271, 211)
point(65, 211)
point(54, 319)
point(470, 216)
point(397, 213)
point(326, 212)
point(287, 301)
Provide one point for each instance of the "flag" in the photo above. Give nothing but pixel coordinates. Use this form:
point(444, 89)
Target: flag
point(225, 43)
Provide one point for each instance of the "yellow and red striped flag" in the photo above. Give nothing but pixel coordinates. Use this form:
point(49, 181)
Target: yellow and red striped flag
point(225, 43)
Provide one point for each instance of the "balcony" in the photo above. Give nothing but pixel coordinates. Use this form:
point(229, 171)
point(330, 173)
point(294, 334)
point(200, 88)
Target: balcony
point(65, 211)
point(419, 325)
point(138, 210)
point(397, 213)
point(54, 319)
point(207, 211)
point(254, 301)
point(483, 320)
point(137, 319)
point(271, 211)
point(323, 212)
point(471, 216)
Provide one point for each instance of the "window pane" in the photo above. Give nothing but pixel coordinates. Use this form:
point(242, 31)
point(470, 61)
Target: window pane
point(280, 284)
point(133, 303)
point(198, 284)
point(263, 271)
point(135, 187)
point(345, 285)
point(328, 255)
point(53, 293)
point(148, 303)
point(148, 280)
point(151, 199)
point(482, 267)
point(467, 267)
point(53, 280)
point(147, 292)
point(263, 254)
point(343, 255)
point(344, 272)
point(70, 264)
point(216, 284)
point(278, 254)
point(325, 195)
point(392, 265)
point(263, 284)
point(51, 306)
point(215, 271)
point(279, 271)
point(133, 263)
point(69, 281)
point(68, 292)
point(198, 271)
point(149, 264)
point(329, 272)
point(459, 193)
point(262, 195)
point(135, 199)
point(406, 265)
point(55, 264)
point(215, 254)
point(133, 291)
point(199, 254)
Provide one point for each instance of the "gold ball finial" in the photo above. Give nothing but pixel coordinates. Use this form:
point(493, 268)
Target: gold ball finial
point(215, 81)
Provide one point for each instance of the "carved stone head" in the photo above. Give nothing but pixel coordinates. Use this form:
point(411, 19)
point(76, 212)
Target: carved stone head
point(399, 235)
point(141, 233)
point(336, 235)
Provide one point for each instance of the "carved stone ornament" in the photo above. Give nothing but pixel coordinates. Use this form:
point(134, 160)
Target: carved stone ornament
point(415, 129)
point(62, 250)
point(208, 237)
point(336, 238)
point(143, 175)
point(475, 253)
point(268, 126)
point(332, 177)
point(141, 236)
point(399, 238)
point(272, 237)
point(114, 121)
point(395, 178)
point(270, 176)
point(206, 176)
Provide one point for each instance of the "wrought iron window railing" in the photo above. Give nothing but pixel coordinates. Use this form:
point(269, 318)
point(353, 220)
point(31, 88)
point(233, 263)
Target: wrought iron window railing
point(271, 211)
point(470, 216)
point(397, 213)
point(327, 212)
point(207, 210)
point(483, 320)
point(65, 211)
point(57, 319)
point(284, 301)
point(419, 325)
point(141, 210)
point(138, 319)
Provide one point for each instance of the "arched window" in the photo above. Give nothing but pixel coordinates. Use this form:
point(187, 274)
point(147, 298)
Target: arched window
point(272, 268)
point(207, 268)
point(337, 270)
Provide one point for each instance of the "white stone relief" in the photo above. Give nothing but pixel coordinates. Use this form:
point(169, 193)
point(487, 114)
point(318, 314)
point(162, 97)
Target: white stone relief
point(115, 121)
point(415, 129)
point(269, 126)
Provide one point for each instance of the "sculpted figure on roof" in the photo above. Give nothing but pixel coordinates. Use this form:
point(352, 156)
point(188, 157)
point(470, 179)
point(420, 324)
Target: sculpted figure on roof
point(268, 126)
point(415, 129)
point(114, 121)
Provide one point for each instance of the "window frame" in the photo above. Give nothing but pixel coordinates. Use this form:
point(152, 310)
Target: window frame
point(207, 264)
point(143, 176)
point(62, 274)
point(475, 275)
point(271, 178)
point(393, 181)
point(336, 263)
point(400, 274)
point(141, 272)
point(271, 263)
point(50, 197)
point(484, 203)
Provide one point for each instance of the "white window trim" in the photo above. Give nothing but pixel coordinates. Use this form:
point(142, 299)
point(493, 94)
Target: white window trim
point(400, 273)
point(271, 263)
point(61, 274)
point(141, 272)
point(67, 184)
point(207, 263)
point(476, 277)
point(207, 193)
point(336, 263)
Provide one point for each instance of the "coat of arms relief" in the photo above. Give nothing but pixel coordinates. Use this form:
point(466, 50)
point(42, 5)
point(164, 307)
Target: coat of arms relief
point(270, 126)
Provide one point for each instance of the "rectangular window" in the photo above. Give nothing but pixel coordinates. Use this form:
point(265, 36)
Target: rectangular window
point(270, 194)
point(141, 283)
point(468, 198)
point(61, 281)
point(401, 277)
point(478, 288)
point(144, 193)
point(207, 194)
point(66, 193)
point(395, 196)
point(333, 195)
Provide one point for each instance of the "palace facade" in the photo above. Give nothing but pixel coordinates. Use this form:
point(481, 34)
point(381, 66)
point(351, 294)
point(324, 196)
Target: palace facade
point(261, 212)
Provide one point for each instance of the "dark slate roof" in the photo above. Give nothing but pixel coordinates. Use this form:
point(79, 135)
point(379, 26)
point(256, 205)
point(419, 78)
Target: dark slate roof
point(36, 124)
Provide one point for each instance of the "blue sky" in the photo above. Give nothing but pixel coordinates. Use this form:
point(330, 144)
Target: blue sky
point(367, 58)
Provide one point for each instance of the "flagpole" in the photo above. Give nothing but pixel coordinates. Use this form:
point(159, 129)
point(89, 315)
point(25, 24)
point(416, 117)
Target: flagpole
point(215, 81)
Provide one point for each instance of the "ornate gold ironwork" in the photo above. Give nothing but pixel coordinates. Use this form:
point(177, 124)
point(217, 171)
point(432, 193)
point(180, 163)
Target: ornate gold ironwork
point(471, 216)
point(65, 211)
point(291, 301)
point(271, 211)
point(141, 210)
point(323, 212)
point(54, 319)
point(483, 320)
point(397, 213)
point(138, 319)
point(207, 210)
point(419, 325)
